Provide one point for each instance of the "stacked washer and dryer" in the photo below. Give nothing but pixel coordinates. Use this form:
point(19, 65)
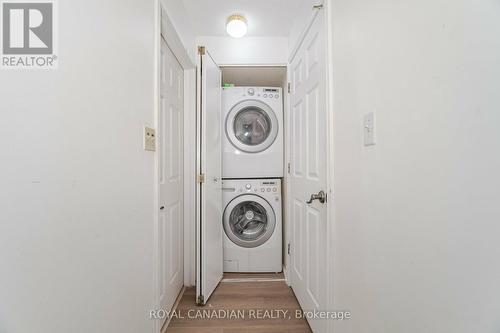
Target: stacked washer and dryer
point(252, 168)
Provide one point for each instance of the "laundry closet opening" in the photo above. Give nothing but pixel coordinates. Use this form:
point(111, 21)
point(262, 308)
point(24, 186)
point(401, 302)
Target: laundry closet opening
point(249, 235)
point(253, 168)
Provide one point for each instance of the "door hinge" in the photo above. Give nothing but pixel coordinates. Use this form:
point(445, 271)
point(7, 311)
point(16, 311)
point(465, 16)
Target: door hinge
point(201, 50)
point(288, 167)
point(318, 7)
point(289, 89)
point(288, 248)
point(200, 179)
point(200, 300)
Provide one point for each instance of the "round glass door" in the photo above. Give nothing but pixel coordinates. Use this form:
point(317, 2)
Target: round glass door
point(249, 221)
point(252, 126)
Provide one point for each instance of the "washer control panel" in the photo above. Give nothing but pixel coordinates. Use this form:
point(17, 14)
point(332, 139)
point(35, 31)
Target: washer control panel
point(269, 186)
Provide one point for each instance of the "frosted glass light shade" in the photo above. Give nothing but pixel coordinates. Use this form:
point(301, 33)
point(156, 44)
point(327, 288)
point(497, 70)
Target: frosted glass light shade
point(236, 26)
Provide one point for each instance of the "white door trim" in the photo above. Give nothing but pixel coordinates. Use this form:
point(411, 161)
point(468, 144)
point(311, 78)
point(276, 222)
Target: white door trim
point(330, 166)
point(164, 26)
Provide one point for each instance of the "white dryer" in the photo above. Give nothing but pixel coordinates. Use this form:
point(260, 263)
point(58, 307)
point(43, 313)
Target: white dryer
point(252, 225)
point(252, 138)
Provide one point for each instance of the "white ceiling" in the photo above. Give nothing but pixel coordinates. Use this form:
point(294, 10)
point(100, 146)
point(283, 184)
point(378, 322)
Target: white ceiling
point(265, 17)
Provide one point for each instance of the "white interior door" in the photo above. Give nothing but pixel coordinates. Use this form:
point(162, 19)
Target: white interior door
point(209, 226)
point(309, 151)
point(170, 138)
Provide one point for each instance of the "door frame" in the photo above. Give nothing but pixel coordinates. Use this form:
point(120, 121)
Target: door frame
point(329, 96)
point(164, 29)
point(330, 86)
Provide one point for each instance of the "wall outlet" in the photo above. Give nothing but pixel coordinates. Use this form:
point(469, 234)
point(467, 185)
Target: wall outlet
point(149, 139)
point(369, 129)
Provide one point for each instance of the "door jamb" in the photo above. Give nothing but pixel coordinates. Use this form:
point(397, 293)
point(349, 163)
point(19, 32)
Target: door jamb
point(328, 4)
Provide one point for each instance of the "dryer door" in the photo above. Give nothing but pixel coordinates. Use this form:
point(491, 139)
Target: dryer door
point(249, 221)
point(252, 126)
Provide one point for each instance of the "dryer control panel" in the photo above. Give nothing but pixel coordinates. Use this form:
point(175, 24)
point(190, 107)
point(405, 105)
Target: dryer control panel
point(274, 93)
point(262, 187)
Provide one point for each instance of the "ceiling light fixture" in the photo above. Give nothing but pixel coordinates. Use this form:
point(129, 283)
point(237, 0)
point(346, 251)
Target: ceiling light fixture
point(236, 26)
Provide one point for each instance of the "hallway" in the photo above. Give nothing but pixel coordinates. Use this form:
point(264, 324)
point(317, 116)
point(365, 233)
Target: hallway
point(238, 292)
point(151, 146)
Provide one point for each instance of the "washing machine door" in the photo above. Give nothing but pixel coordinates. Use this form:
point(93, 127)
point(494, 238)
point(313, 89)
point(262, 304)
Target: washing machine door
point(249, 221)
point(252, 126)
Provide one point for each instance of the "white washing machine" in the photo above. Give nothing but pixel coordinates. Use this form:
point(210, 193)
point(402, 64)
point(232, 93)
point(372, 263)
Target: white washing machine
point(252, 225)
point(252, 141)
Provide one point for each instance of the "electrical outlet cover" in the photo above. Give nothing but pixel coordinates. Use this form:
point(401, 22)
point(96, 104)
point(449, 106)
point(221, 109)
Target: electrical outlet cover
point(149, 139)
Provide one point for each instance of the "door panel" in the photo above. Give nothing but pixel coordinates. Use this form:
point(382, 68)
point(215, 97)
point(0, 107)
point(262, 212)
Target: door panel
point(209, 227)
point(309, 153)
point(298, 138)
point(170, 137)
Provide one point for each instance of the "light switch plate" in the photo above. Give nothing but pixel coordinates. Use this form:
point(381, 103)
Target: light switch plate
point(369, 129)
point(149, 139)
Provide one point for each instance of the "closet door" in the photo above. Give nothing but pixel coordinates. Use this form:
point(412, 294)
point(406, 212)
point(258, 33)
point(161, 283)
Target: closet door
point(171, 178)
point(308, 179)
point(209, 195)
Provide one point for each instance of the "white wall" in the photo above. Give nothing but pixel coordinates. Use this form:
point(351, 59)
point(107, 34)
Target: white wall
point(417, 216)
point(76, 187)
point(247, 50)
point(179, 17)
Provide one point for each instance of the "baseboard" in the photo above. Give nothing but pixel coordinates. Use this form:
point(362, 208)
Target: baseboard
point(176, 304)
